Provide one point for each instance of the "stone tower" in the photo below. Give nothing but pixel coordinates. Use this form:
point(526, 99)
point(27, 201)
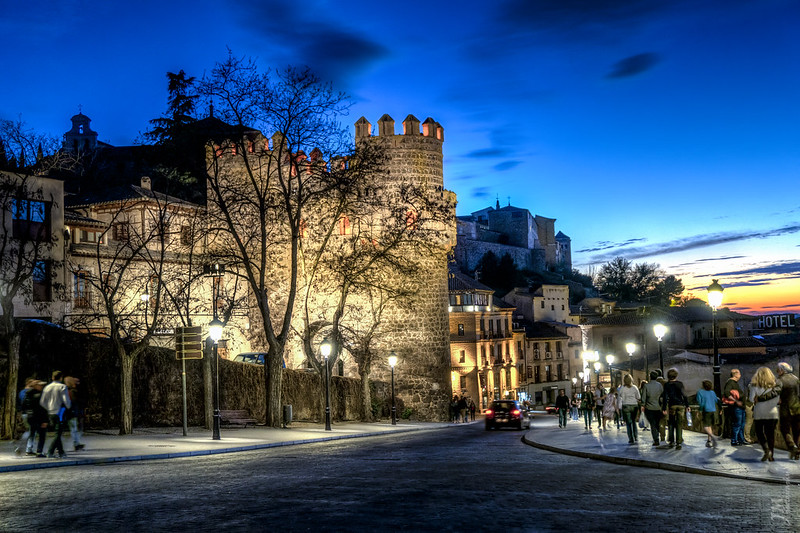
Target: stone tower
point(423, 339)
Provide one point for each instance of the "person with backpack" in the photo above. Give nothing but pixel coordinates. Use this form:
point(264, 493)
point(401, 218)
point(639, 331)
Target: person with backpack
point(675, 404)
point(55, 398)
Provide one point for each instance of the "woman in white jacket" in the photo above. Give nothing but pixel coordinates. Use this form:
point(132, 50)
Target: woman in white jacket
point(765, 392)
point(630, 399)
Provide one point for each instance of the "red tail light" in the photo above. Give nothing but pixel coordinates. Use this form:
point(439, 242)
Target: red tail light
point(489, 413)
point(516, 412)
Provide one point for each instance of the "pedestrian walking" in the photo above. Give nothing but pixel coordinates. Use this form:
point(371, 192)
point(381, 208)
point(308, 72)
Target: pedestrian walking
point(27, 436)
point(472, 409)
point(610, 408)
point(37, 419)
point(562, 408)
point(765, 393)
point(573, 406)
point(630, 399)
point(652, 393)
point(733, 396)
point(599, 400)
point(75, 413)
point(462, 409)
point(789, 409)
point(675, 405)
point(587, 406)
point(707, 400)
point(454, 409)
point(55, 399)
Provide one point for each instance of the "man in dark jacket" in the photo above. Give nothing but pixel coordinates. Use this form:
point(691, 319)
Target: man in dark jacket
point(733, 396)
point(562, 406)
point(674, 404)
point(790, 409)
point(37, 417)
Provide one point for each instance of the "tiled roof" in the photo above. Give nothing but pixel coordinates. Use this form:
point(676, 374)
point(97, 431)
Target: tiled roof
point(125, 192)
point(458, 282)
point(76, 219)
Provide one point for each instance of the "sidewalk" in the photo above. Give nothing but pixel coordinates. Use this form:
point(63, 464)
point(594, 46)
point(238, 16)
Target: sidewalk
point(164, 443)
point(743, 462)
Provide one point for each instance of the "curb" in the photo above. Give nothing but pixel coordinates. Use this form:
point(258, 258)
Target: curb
point(653, 464)
point(194, 453)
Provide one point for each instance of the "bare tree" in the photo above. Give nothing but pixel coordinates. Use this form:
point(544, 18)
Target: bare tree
point(261, 193)
point(136, 274)
point(30, 264)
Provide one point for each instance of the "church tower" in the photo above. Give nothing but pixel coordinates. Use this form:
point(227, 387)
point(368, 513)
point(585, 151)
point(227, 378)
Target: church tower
point(80, 138)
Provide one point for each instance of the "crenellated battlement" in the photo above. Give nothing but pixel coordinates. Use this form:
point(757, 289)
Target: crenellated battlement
point(429, 132)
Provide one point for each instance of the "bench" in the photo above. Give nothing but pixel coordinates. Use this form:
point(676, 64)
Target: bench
point(239, 417)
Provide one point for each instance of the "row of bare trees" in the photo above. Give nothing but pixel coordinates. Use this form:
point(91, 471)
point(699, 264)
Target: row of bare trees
point(317, 239)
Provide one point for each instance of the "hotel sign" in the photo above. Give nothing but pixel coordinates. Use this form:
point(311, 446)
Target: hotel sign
point(776, 321)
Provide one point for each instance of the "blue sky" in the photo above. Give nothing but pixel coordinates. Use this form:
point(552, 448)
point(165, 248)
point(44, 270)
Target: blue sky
point(662, 131)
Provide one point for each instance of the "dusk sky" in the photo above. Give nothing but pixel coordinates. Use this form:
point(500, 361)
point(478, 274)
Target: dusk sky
point(663, 131)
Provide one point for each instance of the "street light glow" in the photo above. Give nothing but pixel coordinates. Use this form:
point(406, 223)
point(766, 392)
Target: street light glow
point(630, 348)
point(660, 330)
point(392, 360)
point(325, 349)
point(215, 330)
point(715, 294)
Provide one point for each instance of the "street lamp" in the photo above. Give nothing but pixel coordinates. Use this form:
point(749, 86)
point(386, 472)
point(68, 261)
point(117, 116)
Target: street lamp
point(590, 356)
point(610, 360)
point(215, 332)
point(392, 363)
point(597, 366)
point(630, 348)
point(715, 300)
point(660, 330)
point(325, 350)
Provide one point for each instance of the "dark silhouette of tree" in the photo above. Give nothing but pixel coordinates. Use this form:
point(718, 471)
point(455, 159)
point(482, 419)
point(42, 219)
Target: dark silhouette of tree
point(622, 280)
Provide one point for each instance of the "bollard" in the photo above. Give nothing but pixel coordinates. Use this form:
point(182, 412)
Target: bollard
point(287, 415)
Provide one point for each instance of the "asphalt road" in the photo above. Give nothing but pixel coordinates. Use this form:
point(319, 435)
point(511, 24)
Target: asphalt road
point(457, 479)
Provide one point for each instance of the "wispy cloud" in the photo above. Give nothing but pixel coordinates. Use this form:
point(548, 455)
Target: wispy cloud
point(608, 245)
point(488, 153)
point(507, 165)
point(688, 243)
point(633, 65)
point(481, 192)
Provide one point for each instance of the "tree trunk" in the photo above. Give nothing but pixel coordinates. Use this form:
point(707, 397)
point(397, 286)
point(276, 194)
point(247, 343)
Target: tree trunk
point(366, 397)
point(273, 375)
point(10, 400)
point(126, 393)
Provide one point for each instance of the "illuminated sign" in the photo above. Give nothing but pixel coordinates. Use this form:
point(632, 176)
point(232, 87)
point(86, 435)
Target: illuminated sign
point(776, 321)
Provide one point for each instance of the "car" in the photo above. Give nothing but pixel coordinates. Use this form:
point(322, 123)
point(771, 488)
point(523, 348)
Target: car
point(551, 409)
point(256, 358)
point(507, 413)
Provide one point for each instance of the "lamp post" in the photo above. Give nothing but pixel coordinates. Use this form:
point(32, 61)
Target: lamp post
point(597, 366)
point(715, 300)
point(325, 350)
point(215, 332)
point(392, 363)
point(630, 348)
point(610, 360)
point(588, 357)
point(660, 330)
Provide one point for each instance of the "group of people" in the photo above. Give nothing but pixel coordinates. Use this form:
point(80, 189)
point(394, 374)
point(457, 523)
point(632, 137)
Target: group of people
point(462, 409)
point(773, 400)
point(55, 405)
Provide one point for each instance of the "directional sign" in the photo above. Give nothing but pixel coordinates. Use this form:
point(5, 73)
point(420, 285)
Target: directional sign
point(189, 343)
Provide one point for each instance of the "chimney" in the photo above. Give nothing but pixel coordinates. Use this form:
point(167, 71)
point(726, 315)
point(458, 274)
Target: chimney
point(146, 182)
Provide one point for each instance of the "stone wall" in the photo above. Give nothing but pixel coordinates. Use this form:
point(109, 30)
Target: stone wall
point(157, 398)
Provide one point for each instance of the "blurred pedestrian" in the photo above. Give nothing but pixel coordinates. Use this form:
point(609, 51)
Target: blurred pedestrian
point(707, 400)
point(454, 409)
point(573, 406)
point(652, 393)
point(75, 413)
point(37, 419)
point(789, 409)
point(472, 409)
point(765, 393)
point(55, 399)
point(610, 408)
point(733, 396)
point(27, 436)
point(462, 409)
point(599, 399)
point(562, 407)
point(675, 405)
point(630, 399)
point(587, 406)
